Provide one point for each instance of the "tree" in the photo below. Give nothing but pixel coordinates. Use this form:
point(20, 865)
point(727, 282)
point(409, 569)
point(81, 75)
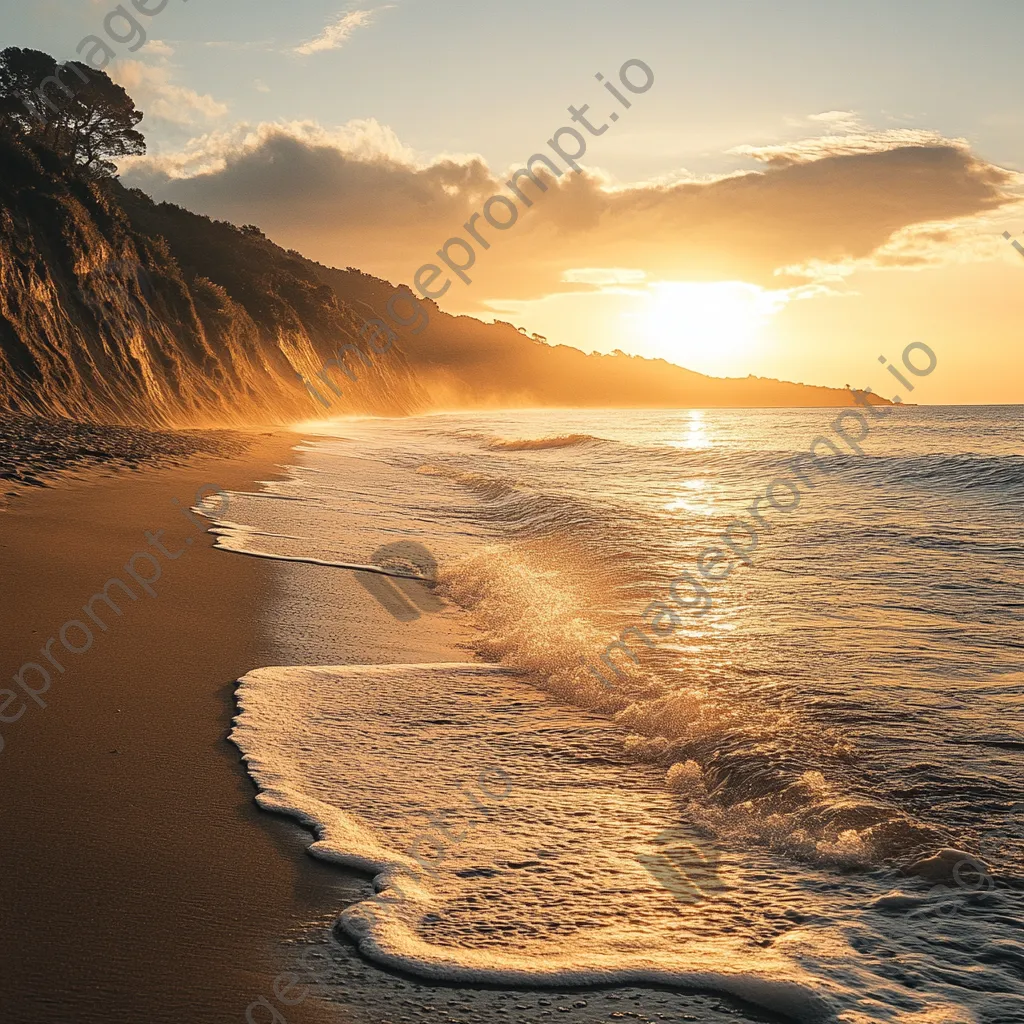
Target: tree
point(72, 108)
point(22, 72)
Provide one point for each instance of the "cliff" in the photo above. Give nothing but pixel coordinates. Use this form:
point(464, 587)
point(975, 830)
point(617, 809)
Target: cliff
point(108, 313)
point(114, 309)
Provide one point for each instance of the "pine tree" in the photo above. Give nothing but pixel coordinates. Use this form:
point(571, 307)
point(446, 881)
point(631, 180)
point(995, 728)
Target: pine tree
point(71, 108)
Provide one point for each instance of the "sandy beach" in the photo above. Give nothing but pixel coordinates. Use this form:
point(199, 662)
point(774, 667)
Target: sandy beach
point(140, 881)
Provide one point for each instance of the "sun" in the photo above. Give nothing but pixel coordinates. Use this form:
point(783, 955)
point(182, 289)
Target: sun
point(713, 327)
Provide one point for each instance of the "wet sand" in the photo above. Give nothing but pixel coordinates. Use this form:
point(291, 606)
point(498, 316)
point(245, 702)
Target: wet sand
point(139, 881)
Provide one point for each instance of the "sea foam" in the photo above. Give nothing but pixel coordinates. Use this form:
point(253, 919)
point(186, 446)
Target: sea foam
point(543, 883)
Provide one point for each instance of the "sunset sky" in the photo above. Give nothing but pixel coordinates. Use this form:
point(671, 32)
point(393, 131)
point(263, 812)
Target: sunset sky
point(806, 186)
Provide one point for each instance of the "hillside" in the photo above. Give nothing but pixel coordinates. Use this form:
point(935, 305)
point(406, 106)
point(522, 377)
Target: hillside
point(464, 363)
point(115, 309)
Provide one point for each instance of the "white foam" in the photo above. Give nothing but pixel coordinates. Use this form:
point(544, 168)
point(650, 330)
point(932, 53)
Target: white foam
point(240, 539)
point(544, 884)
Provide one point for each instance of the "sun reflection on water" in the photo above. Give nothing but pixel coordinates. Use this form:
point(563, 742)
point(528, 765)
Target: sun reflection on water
point(697, 498)
point(696, 432)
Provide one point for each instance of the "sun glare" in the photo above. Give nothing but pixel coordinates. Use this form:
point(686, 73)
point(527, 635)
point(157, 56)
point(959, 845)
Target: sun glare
point(711, 327)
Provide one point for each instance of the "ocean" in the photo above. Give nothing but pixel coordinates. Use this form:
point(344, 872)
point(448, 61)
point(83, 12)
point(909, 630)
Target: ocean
point(729, 805)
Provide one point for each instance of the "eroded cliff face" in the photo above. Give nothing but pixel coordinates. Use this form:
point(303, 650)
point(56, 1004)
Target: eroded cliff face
point(116, 309)
point(104, 319)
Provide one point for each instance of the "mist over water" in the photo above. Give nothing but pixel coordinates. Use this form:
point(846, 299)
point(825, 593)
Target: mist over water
point(848, 705)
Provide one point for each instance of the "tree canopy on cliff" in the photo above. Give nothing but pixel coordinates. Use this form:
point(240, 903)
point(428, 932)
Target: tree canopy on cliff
point(71, 108)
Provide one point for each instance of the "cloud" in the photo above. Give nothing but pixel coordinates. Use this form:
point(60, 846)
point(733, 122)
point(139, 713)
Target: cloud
point(838, 120)
point(155, 93)
point(916, 247)
point(207, 155)
point(337, 34)
point(356, 196)
point(848, 143)
point(159, 48)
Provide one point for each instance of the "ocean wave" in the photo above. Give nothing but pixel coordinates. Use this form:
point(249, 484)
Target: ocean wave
point(951, 474)
point(422, 918)
point(483, 485)
point(542, 443)
point(739, 764)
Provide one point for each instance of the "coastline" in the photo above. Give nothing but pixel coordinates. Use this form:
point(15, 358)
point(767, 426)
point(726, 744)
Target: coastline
point(137, 857)
point(141, 881)
point(323, 617)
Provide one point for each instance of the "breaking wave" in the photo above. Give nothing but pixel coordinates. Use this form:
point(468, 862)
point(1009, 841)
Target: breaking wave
point(747, 770)
point(542, 443)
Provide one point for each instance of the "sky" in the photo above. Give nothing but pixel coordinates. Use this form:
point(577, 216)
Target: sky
point(802, 188)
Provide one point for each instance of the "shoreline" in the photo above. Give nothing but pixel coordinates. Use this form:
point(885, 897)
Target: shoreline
point(139, 863)
point(142, 882)
point(323, 619)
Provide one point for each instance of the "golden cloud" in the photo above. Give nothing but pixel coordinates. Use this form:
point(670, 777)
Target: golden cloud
point(356, 196)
